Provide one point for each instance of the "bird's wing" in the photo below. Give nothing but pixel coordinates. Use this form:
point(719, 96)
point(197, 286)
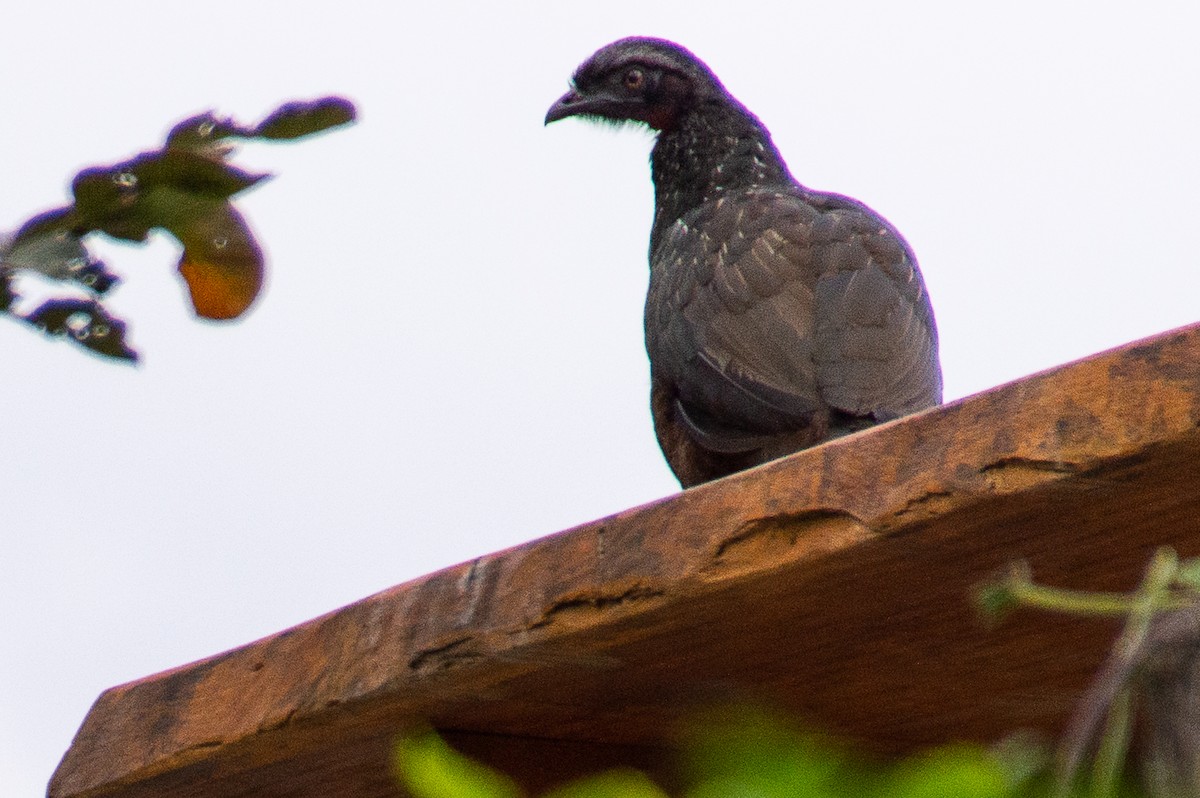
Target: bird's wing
point(875, 337)
point(769, 306)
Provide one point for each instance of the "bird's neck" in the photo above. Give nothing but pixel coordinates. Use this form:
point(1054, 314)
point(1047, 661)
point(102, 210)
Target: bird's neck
point(715, 148)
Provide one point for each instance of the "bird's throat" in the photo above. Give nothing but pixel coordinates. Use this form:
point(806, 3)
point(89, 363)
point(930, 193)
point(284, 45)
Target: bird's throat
point(712, 150)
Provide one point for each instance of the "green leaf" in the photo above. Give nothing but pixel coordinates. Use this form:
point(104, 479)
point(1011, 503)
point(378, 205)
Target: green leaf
point(106, 199)
point(186, 194)
point(205, 134)
point(49, 244)
point(744, 751)
point(994, 600)
point(617, 783)
point(191, 172)
point(298, 119)
point(129, 199)
point(184, 188)
point(962, 771)
point(85, 323)
point(221, 260)
point(1188, 574)
point(429, 768)
point(7, 294)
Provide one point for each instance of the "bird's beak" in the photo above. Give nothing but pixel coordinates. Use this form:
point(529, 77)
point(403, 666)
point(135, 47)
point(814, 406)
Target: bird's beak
point(599, 103)
point(569, 104)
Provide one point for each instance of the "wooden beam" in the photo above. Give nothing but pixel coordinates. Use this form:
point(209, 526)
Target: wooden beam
point(835, 582)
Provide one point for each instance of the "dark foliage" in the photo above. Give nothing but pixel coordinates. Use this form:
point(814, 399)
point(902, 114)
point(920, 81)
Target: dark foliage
point(185, 188)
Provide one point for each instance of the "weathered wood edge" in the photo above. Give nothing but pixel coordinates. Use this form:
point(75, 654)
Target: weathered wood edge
point(413, 646)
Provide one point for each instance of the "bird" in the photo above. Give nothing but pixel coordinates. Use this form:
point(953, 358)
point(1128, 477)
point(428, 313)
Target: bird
point(777, 317)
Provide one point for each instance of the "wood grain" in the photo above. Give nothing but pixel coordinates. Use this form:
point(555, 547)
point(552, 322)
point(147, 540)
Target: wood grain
point(835, 582)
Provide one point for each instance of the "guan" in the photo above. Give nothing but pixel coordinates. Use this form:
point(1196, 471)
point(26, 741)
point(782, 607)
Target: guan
point(777, 317)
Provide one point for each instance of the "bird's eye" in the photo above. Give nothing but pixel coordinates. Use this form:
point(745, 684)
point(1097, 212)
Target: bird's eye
point(633, 79)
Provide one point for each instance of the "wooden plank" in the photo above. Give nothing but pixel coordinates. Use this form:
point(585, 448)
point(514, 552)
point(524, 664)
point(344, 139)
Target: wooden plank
point(835, 582)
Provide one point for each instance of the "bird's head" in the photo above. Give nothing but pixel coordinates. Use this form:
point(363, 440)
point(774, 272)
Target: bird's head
point(638, 79)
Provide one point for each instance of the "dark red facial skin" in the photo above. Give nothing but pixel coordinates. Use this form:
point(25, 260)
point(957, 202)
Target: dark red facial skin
point(639, 83)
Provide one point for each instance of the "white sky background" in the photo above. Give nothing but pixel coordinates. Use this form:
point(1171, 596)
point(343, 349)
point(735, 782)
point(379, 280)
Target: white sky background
point(448, 356)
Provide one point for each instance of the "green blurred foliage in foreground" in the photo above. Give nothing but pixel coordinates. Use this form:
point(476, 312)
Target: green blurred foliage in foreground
point(744, 752)
point(740, 753)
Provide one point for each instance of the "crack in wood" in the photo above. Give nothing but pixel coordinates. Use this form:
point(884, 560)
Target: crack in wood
point(444, 656)
point(1014, 474)
point(1032, 464)
point(767, 541)
point(928, 505)
point(595, 601)
point(281, 722)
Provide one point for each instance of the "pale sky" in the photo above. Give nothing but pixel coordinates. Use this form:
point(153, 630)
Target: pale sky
point(448, 359)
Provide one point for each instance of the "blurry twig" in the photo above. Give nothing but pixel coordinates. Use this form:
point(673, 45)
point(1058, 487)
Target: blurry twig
point(1147, 678)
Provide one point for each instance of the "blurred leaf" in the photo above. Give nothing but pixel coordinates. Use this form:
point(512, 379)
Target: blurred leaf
point(429, 768)
point(187, 195)
point(962, 771)
point(298, 119)
point(206, 135)
point(1024, 757)
point(192, 173)
point(994, 600)
point(86, 323)
point(48, 244)
point(1189, 574)
point(106, 199)
point(616, 783)
point(131, 198)
point(745, 751)
point(7, 295)
point(221, 261)
point(184, 188)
